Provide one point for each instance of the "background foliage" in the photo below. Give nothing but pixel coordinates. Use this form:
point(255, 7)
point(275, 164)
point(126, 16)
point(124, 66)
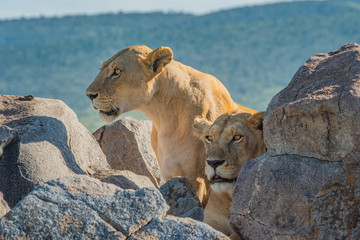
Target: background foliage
point(254, 51)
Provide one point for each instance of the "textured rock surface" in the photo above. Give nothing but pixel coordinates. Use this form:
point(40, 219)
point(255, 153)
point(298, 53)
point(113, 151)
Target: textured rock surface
point(322, 101)
point(177, 228)
point(126, 144)
point(308, 185)
point(81, 207)
point(10, 231)
point(122, 178)
point(7, 135)
point(293, 196)
point(182, 199)
point(41, 139)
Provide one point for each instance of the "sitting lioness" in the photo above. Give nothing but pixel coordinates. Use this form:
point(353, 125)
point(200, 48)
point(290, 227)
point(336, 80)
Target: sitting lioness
point(230, 141)
point(171, 95)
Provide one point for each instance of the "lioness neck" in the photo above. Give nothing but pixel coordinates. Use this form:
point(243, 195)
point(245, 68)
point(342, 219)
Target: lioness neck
point(180, 93)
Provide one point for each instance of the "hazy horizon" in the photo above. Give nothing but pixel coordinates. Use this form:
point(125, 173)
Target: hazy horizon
point(16, 9)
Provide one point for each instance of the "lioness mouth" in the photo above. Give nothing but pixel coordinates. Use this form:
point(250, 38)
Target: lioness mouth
point(217, 179)
point(112, 112)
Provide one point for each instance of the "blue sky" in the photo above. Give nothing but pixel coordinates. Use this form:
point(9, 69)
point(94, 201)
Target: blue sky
point(10, 9)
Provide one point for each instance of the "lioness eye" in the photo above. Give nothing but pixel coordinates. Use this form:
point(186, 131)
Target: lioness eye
point(209, 138)
point(115, 73)
point(238, 138)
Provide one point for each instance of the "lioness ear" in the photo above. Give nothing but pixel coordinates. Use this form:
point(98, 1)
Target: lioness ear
point(157, 59)
point(256, 120)
point(200, 126)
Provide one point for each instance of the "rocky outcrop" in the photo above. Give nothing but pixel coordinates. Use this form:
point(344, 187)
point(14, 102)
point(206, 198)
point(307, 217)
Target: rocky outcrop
point(122, 178)
point(182, 199)
point(126, 144)
point(177, 228)
point(317, 114)
point(81, 207)
point(308, 184)
point(41, 139)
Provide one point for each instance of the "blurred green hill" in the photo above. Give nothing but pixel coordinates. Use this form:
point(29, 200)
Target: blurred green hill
point(254, 51)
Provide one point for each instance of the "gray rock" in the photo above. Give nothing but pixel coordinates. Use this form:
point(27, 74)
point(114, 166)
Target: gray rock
point(82, 207)
point(182, 199)
point(41, 140)
point(322, 101)
point(177, 228)
point(127, 146)
point(10, 231)
point(7, 135)
point(293, 196)
point(122, 178)
point(308, 185)
point(67, 219)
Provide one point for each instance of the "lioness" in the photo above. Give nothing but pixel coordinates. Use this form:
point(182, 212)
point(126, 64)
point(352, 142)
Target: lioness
point(230, 141)
point(171, 95)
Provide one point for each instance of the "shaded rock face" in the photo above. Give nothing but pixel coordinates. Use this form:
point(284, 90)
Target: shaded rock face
point(308, 184)
point(81, 207)
point(41, 139)
point(126, 144)
point(288, 196)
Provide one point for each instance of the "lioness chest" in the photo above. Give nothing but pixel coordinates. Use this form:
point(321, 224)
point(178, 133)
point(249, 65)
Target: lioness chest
point(179, 157)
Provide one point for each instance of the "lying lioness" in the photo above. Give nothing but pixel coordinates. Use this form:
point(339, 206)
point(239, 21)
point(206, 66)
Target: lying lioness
point(171, 95)
point(230, 141)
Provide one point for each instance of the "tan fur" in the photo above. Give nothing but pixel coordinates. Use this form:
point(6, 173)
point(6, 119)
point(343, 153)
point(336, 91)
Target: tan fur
point(171, 95)
point(233, 139)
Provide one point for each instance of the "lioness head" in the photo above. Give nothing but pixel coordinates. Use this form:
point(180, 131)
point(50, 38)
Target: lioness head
point(125, 80)
point(230, 141)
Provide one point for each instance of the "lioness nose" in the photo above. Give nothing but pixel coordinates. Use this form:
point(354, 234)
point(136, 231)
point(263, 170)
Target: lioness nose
point(215, 163)
point(92, 96)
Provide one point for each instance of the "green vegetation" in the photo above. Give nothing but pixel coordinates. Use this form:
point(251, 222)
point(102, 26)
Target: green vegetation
point(254, 51)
